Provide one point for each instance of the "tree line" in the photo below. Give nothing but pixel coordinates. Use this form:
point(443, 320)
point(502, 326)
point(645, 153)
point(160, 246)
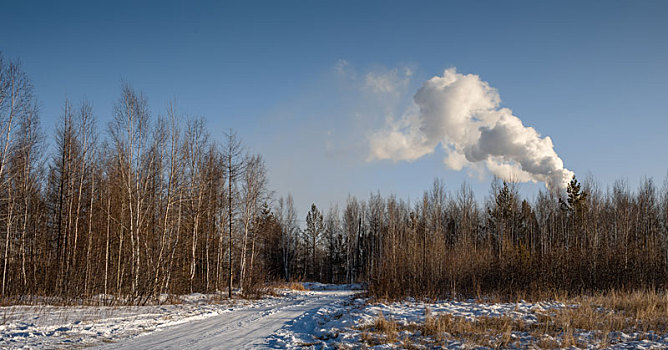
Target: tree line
point(154, 204)
point(448, 245)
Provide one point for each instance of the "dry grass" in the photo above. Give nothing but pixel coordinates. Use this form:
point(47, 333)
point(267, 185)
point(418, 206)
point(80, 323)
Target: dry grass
point(308, 345)
point(382, 331)
point(547, 342)
point(584, 317)
point(289, 285)
point(487, 331)
point(614, 311)
point(369, 338)
point(645, 310)
point(296, 286)
point(600, 314)
point(173, 299)
point(386, 327)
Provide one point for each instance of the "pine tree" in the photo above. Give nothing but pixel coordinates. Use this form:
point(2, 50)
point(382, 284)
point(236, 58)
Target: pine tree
point(576, 197)
point(504, 216)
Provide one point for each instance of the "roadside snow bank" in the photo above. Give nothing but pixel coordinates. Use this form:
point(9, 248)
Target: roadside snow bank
point(44, 326)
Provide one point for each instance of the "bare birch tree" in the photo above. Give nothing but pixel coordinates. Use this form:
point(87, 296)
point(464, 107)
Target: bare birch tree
point(233, 169)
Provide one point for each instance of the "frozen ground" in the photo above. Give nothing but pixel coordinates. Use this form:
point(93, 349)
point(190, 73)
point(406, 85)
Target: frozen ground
point(195, 323)
point(353, 327)
point(324, 317)
point(34, 327)
point(249, 327)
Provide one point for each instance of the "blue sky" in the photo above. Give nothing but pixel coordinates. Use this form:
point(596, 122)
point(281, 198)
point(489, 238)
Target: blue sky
point(289, 77)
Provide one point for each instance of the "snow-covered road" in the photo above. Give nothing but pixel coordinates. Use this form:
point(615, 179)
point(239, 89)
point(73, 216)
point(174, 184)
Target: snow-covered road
point(247, 328)
point(194, 321)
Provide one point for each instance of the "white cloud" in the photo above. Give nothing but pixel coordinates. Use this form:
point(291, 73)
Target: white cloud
point(341, 66)
point(390, 83)
point(461, 112)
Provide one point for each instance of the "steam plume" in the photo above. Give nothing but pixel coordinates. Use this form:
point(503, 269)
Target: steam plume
point(461, 112)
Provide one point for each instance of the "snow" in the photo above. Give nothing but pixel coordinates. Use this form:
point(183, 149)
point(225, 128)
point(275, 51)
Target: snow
point(322, 317)
point(341, 326)
point(43, 326)
point(250, 327)
point(195, 323)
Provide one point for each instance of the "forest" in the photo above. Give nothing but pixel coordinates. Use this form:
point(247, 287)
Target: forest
point(152, 203)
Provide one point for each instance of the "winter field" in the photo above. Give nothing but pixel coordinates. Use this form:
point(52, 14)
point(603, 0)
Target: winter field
point(335, 317)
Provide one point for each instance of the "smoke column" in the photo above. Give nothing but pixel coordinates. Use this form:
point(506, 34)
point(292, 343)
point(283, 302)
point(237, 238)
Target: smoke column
point(461, 113)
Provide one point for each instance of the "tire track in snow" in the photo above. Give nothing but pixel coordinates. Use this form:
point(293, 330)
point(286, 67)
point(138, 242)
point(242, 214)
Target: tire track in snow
point(239, 329)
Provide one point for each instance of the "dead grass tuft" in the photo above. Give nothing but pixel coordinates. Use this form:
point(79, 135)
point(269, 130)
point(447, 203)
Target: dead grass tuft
point(645, 310)
point(311, 344)
point(387, 327)
point(604, 313)
point(614, 311)
point(600, 315)
point(296, 286)
point(382, 331)
point(486, 331)
point(290, 285)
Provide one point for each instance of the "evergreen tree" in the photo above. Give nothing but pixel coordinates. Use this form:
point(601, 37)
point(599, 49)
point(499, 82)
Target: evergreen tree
point(504, 216)
point(576, 197)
